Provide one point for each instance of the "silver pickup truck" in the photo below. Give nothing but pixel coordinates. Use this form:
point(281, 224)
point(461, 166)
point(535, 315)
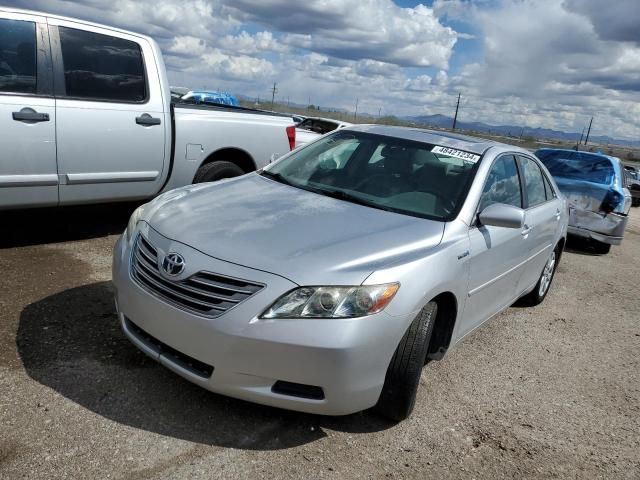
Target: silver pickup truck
point(86, 116)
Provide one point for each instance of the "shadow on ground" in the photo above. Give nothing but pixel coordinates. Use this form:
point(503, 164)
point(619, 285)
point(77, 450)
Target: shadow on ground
point(72, 343)
point(52, 225)
point(581, 246)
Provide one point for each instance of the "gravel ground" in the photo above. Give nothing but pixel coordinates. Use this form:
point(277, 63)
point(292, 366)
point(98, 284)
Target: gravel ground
point(552, 391)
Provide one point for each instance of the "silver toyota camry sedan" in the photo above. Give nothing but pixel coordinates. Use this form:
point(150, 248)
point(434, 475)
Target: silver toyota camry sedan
point(325, 282)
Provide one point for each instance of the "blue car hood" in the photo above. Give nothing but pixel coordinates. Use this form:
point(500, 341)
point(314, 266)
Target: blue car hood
point(300, 235)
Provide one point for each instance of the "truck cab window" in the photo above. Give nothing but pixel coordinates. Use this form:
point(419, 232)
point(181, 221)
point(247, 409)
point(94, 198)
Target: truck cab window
point(17, 56)
point(101, 67)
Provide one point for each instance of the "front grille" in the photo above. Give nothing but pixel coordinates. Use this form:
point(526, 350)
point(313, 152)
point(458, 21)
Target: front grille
point(205, 293)
point(185, 361)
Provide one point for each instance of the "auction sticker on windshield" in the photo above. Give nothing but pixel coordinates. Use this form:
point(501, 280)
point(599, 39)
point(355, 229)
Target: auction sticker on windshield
point(452, 152)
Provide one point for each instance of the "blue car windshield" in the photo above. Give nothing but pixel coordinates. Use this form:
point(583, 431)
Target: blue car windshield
point(578, 166)
point(387, 173)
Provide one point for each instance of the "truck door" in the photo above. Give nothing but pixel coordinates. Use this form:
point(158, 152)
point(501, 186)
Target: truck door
point(28, 173)
point(111, 122)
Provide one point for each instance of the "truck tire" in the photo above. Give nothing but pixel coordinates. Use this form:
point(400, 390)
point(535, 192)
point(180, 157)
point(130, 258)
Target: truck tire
point(398, 395)
point(211, 172)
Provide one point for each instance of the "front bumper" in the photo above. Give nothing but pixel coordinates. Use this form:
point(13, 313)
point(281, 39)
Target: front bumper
point(347, 358)
point(606, 228)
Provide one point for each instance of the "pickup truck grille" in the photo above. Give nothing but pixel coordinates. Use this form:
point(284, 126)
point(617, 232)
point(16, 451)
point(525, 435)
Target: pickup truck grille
point(204, 293)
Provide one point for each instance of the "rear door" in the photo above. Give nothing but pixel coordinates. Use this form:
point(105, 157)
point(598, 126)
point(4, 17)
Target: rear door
point(111, 127)
point(542, 217)
point(497, 254)
point(28, 173)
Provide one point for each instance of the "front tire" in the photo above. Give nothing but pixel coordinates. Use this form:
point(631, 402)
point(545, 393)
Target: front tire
point(215, 171)
point(398, 395)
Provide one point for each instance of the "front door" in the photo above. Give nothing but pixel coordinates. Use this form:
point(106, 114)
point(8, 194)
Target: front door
point(28, 172)
point(111, 124)
point(497, 253)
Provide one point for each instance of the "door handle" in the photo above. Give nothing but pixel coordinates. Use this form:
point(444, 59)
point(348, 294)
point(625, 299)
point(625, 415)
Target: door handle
point(29, 115)
point(147, 120)
point(526, 231)
point(557, 214)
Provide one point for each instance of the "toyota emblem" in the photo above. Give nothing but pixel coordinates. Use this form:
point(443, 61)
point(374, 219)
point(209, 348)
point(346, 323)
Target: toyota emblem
point(173, 264)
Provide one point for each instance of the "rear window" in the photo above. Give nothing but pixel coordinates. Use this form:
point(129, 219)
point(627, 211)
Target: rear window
point(102, 67)
point(578, 166)
point(17, 56)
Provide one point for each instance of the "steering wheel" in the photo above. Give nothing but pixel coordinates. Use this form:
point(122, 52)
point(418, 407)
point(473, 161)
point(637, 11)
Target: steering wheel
point(366, 181)
point(448, 205)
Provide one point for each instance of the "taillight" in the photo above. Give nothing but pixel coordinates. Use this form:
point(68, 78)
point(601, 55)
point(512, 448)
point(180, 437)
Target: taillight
point(291, 136)
point(611, 201)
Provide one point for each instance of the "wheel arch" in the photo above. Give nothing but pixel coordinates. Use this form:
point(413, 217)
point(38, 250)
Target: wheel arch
point(237, 156)
point(444, 326)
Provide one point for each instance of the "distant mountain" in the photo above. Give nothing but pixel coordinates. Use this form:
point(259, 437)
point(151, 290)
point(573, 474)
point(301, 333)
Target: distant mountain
point(443, 121)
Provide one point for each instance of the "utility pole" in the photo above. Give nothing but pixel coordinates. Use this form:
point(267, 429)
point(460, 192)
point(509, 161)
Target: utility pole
point(588, 131)
point(355, 115)
point(273, 93)
point(580, 141)
point(455, 117)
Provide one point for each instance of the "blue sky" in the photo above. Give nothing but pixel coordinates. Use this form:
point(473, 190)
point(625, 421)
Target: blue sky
point(539, 63)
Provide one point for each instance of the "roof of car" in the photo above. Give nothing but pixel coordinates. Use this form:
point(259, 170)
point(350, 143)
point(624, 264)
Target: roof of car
point(331, 120)
point(435, 137)
point(583, 152)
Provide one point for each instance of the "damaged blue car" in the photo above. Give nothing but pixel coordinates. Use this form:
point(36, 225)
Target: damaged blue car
point(594, 186)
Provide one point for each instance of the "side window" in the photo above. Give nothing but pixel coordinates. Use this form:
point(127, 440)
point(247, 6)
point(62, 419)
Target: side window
point(551, 194)
point(502, 185)
point(534, 182)
point(101, 67)
point(17, 56)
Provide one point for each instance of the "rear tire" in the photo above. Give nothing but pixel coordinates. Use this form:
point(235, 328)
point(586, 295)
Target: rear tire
point(539, 293)
point(635, 202)
point(398, 395)
point(600, 247)
point(214, 171)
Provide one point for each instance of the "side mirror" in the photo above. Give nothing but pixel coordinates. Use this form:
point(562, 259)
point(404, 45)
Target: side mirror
point(502, 215)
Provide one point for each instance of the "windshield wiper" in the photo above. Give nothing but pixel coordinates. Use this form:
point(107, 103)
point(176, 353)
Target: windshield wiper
point(278, 177)
point(342, 195)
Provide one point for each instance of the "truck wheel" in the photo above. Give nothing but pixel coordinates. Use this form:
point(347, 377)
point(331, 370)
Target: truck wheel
point(600, 247)
point(214, 171)
point(539, 293)
point(635, 202)
point(403, 375)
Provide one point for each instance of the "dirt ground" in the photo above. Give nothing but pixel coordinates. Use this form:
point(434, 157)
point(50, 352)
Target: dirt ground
point(551, 391)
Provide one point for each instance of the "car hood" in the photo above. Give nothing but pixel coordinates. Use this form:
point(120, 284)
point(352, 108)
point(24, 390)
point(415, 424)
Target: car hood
point(300, 235)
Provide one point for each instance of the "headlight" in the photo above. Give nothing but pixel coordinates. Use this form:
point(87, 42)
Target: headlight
point(136, 216)
point(332, 302)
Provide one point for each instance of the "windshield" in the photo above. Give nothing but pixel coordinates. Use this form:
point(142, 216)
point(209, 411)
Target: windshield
point(578, 166)
point(382, 172)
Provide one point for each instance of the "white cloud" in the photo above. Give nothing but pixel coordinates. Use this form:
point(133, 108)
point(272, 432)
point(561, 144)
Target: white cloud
point(357, 29)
